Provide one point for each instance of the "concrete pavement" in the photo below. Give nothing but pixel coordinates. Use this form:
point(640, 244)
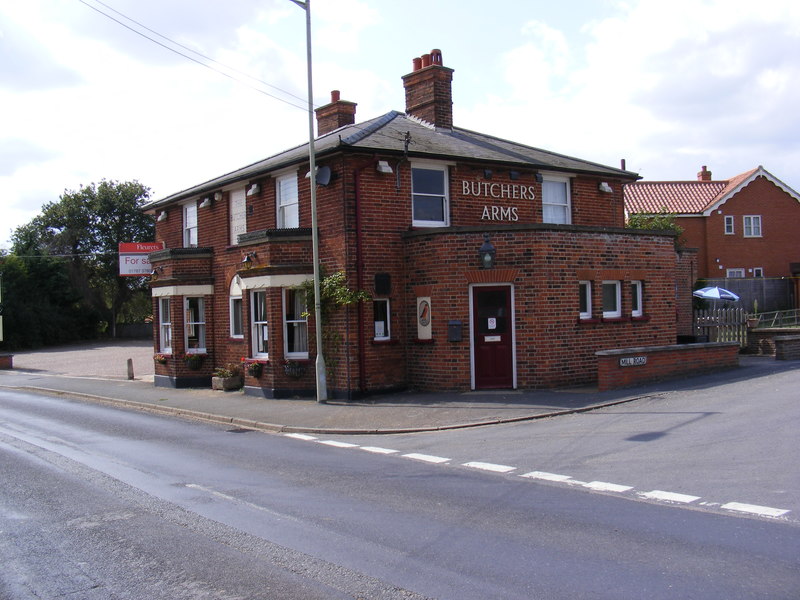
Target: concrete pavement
point(98, 372)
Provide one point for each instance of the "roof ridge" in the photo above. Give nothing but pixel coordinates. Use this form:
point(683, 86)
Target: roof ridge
point(367, 129)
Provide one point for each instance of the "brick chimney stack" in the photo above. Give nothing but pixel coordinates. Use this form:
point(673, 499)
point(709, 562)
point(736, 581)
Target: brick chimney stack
point(336, 114)
point(704, 174)
point(429, 90)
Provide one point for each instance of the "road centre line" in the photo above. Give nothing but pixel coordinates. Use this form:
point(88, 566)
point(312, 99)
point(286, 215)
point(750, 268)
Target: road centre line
point(301, 436)
point(489, 467)
point(336, 444)
point(377, 450)
point(546, 476)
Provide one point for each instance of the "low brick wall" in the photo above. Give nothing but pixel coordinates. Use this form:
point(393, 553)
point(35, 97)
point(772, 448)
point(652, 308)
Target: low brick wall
point(626, 367)
point(762, 340)
point(787, 347)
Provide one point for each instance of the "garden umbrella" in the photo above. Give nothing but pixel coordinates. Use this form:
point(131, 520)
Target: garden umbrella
point(715, 293)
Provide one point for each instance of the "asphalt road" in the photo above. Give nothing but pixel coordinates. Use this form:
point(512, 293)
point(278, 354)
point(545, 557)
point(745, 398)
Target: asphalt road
point(104, 503)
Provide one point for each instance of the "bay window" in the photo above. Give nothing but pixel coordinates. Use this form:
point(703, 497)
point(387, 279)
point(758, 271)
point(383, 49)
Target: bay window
point(259, 324)
point(194, 325)
point(295, 324)
point(164, 326)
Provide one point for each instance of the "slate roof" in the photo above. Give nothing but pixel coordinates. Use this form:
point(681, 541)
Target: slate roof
point(690, 198)
point(401, 134)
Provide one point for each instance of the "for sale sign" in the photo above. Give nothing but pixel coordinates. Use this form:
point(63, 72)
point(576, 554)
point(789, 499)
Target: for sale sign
point(133, 258)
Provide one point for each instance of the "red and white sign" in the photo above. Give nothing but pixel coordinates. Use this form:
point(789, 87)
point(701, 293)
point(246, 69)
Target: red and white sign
point(133, 258)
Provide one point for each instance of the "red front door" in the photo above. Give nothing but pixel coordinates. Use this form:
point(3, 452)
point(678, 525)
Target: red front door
point(492, 337)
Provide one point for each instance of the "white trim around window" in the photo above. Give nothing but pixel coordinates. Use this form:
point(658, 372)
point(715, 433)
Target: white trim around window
point(235, 309)
point(729, 225)
point(430, 195)
point(295, 324)
point(259, 324)
point(612, 299)
point(556, 200)
point(585, 300)
point(734, 273)
point(381, 319)
point(287, 201)
point(637, 299)
point(752, 225)
point(190, 224)
point(164, 326)
point(237, 215)
point(194, 328)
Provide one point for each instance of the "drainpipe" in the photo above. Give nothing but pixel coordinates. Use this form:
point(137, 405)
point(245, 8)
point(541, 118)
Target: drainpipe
point(362, 367)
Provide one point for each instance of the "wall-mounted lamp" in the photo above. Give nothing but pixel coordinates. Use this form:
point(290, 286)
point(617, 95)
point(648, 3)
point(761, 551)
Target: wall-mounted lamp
point(218, 196)
point(605, 188)
point(248, 260)
point(205, 203)
point(487, 173)
point(383, 167)
point(539, 178)
point(513, 175)
point(253, 189)
point(155, 272)
point(162, 216)
point(486, 253)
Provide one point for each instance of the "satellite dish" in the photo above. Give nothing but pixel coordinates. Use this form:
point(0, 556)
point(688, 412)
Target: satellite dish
point(324, 175)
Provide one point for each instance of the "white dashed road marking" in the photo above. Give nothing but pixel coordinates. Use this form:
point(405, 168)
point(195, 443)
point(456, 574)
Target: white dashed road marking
point(489, 467)
point(669, 496)
point(377, 450)
point(546, 476)
point(426, 458)
point(603, 486)
point(764, 511)
point(599, 486)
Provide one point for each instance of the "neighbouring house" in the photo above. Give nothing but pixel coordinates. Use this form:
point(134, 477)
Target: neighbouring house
point(745, 226)
point(490, 264)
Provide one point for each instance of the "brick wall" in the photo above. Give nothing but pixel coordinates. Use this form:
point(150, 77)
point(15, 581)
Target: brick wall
point(663, 362)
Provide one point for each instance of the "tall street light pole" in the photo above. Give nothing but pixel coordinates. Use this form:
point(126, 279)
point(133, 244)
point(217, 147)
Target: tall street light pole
point(322, 388)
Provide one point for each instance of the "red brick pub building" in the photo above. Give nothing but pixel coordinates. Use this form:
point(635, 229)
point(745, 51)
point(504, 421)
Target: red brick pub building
point(490, 264)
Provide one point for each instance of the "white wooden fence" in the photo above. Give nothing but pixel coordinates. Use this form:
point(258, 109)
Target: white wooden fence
point(722, 325)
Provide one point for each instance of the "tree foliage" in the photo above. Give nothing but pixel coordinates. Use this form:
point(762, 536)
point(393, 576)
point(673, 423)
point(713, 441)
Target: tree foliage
point(65, 261)
point(662, 220)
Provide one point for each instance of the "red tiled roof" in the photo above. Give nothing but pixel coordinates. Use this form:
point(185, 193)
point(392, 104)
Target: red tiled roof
point(679, 197)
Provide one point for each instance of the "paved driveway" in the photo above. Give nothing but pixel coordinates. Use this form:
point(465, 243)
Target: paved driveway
point(103, 358)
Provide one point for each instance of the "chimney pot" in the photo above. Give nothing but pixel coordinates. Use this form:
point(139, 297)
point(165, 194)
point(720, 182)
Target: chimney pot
point(426, 60)
point(436, 56)
point(417, 64)
point(335, 95)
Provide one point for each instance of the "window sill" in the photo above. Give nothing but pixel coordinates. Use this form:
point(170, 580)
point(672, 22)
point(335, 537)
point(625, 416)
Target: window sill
point(588, 321)
point(385, 342)
point(615, 320)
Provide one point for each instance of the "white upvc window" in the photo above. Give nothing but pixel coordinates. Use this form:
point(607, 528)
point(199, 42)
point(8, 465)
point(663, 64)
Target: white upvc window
point(381, 319)
point(194, 325)
point(235, 309)
point(729, 225)
point(734, 273)
point(430, 206)
point(259, 323)
point(612, 300)
point(295, 324)
point(237, 217)
point(190, 225)
point(287, 201)
point(637, 309)
point(585, 299)
point(556, 202)
point(758, 271)
point(752, 226)
point(164, 326)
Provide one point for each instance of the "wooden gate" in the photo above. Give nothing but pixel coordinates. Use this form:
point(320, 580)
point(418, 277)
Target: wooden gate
point(722, 325)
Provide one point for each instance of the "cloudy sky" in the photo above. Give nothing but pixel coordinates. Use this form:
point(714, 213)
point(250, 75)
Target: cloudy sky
point(669, 86)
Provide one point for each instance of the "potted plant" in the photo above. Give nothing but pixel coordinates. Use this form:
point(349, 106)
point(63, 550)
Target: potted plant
point(253, 367)
point(294, 369)
point(194, 361)
point(227, 378)
point(160, 358)
point(753, 319)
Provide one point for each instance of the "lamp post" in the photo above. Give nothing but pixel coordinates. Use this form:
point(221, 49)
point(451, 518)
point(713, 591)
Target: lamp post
point(322, 388)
